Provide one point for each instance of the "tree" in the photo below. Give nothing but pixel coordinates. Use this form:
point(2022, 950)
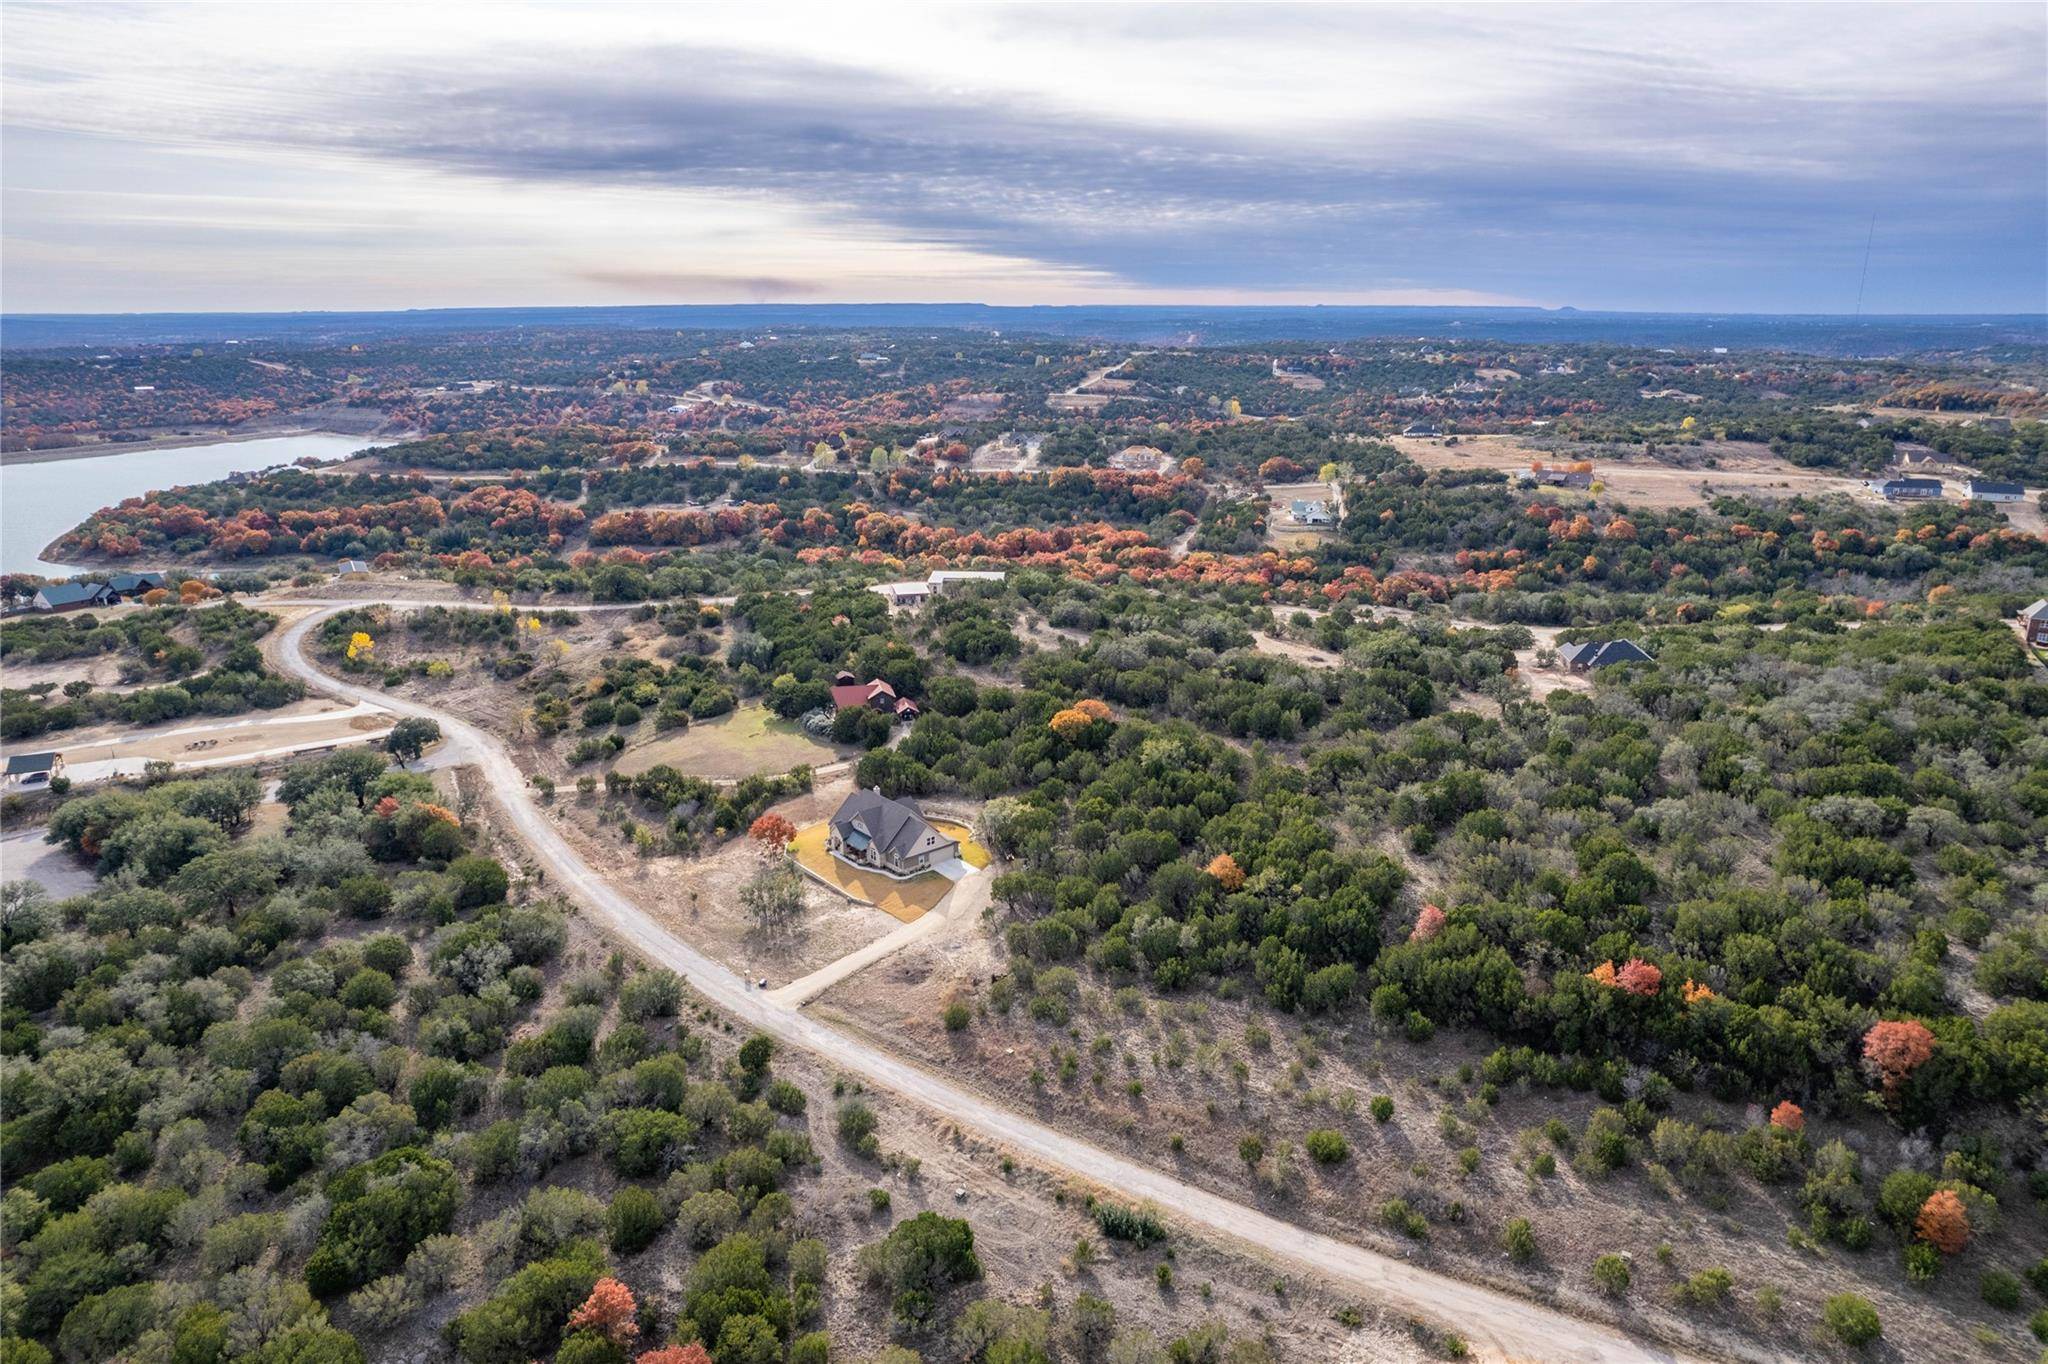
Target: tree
point(1326, 1146)
point(1894, 1049)
point(609, 1311)
point(633, 1220)
point(411, 737)
point(919, 1259)
point(775, 897)
point(1944, 1222)
point(772, 832)
point(1428, 924)
point(1853, 1320)
point(1224, 870)
point(382, 1209)
point(1639, 977)
point(1788, 1116)
point(693, 1353)
point(360, 646)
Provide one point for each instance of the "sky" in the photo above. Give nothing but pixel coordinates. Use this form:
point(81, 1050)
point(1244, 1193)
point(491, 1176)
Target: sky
point(1718, 158)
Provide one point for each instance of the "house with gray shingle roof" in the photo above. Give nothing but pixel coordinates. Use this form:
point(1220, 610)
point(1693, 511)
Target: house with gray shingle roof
point(875, 833)
point(69, 596)
point(1601, 653)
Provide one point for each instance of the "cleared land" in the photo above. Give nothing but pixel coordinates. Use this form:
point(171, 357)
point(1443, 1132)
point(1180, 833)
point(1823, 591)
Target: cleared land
point(738, 744)
point(1738, 467)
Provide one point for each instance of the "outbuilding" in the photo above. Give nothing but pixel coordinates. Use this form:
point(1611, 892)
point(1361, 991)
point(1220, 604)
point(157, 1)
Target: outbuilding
point(33, 769)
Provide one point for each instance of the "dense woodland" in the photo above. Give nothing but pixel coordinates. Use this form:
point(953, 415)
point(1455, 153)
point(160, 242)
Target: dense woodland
point(265, 1103)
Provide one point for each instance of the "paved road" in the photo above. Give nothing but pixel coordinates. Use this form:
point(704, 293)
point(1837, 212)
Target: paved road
point(1496, 1324)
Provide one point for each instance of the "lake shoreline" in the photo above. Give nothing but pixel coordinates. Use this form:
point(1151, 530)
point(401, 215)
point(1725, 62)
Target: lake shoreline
point(44, 500)
point(108, 449)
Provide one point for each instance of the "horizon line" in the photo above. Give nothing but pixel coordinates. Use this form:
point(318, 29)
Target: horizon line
point(1528, 308)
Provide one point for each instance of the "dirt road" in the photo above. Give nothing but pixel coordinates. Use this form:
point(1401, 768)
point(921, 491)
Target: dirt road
point(1495, 1324)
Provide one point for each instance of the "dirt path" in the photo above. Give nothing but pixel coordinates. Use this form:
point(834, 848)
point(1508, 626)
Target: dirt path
point(1496, 1324)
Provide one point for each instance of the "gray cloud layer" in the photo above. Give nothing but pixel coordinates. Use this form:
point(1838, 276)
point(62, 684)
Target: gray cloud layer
point(1754, 193)
point(1623, 175)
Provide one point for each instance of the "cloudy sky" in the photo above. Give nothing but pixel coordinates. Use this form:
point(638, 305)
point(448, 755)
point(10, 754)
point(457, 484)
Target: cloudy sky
point(1717, 158)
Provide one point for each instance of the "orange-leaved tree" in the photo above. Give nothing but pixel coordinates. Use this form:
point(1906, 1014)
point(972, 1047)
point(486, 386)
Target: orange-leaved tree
point(610, 1311)
point(1071, 723)
point(1895, 1048)
point(693, 1353)
point(1944, 1222)
point(1224, 869)
point(1789, 1116)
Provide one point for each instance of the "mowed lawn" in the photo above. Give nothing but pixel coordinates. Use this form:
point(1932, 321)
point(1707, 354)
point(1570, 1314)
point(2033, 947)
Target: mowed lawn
point(905, 900)
point(740, 743)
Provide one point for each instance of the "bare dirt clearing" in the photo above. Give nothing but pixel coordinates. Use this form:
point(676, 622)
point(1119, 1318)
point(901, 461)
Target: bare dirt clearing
point(303, 727)
point(102, 670)
point(1738, 467)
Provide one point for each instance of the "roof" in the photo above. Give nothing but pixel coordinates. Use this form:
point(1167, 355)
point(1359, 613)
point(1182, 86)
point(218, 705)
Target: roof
point(897, 827)
point(860, 693)
point(1933, 483)
point(966, 575)
point(1599, 653)
point(1306, 507)
point(31, 762)
point(2036, 611)
point(352, 566)
point(128, 582)
point(914, 587)
point(64, 594)
point(1989, 485)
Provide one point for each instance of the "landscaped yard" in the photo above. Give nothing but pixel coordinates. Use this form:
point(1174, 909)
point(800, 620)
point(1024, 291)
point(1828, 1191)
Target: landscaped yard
point(905, 900)
point(737, 744)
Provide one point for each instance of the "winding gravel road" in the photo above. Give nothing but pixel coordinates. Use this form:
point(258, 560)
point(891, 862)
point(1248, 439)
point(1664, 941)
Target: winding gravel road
point(1495, 1324)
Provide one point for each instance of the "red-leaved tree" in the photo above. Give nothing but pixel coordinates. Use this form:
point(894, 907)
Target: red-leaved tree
point(1428, 924)
point(772, 832)
point(1639, 977)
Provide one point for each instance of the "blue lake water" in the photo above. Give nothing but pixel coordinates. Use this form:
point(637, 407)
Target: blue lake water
point(39, 502)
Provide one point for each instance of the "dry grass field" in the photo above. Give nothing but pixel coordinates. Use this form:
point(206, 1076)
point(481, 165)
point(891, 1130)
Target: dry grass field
point(1713, 469)
point(738, 744)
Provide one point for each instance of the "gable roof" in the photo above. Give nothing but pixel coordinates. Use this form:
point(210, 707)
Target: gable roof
point(128, 582)
point(1599, 653)
point(64, 594)
point(31, 762)
point(1978, 486)
point(896, 827)
point(2036, 611)
point(860, 693)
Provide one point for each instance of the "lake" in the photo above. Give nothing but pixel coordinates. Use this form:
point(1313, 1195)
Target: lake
point(39, 502)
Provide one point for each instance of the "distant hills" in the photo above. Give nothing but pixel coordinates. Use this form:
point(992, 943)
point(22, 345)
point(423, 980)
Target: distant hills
point(1816, 334)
